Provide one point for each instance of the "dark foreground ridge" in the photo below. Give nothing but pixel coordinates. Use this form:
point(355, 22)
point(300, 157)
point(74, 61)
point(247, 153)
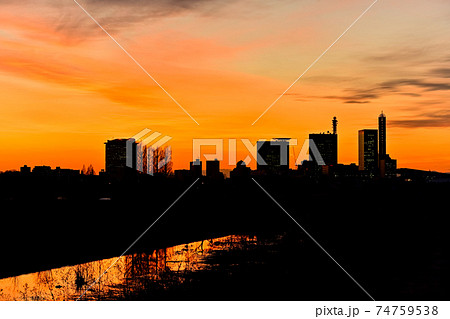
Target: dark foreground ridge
point(390, 235)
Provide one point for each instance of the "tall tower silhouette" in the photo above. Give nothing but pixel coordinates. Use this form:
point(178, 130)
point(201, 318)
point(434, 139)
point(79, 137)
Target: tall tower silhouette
point(382, 136)
point(335, 122)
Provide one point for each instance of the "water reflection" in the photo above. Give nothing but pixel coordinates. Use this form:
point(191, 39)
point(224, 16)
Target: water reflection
point(130, 275)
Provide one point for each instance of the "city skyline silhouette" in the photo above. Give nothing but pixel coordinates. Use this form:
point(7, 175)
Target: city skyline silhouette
point(327, 141)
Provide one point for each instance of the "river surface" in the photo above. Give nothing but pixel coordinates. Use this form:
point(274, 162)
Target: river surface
point(125, 276)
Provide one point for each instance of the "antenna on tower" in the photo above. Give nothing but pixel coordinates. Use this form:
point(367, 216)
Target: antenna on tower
point(335, 121)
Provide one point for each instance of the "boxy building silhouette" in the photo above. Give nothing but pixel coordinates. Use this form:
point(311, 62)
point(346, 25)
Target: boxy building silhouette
point(368, 150)
point(116, 158)
point(269, 156)
point(327, 145)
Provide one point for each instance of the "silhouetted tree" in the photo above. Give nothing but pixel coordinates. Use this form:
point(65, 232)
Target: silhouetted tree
point(163, 156)
point(90, 170)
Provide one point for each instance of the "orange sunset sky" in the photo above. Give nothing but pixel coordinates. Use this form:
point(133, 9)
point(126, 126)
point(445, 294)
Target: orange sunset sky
point(66, 87)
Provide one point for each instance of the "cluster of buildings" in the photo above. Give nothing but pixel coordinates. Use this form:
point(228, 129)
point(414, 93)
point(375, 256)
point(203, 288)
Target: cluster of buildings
point(47, 171)
point(373, 160)
point(212, 171)
point(273, 157)
point(373, 157)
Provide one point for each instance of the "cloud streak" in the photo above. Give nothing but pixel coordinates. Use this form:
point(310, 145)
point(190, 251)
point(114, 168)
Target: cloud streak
point(441, 72)
point(392, 87)
point(439, 119)
point(66, 20)
point(425, 85)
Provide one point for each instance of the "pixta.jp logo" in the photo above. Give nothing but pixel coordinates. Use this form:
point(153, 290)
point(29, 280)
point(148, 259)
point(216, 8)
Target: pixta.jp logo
point(308, 152)
point(145, 156)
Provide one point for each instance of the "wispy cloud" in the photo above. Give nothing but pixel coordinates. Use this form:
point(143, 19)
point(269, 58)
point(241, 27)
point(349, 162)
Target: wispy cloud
point(392, 87)
point(437, 119)
point(410, 70)
point(406, 55)
point(441, 72)
point(65, 20)
point(423, 84)
point(356, 102)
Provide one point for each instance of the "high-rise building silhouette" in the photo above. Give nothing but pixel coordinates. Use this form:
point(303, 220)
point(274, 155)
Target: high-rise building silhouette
point(382, 136)
point(273, 155)
point(387, 165)
point(195, 168)
point(116, 154)
point(212, 168)
point(368, 150)
point(327, 145)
